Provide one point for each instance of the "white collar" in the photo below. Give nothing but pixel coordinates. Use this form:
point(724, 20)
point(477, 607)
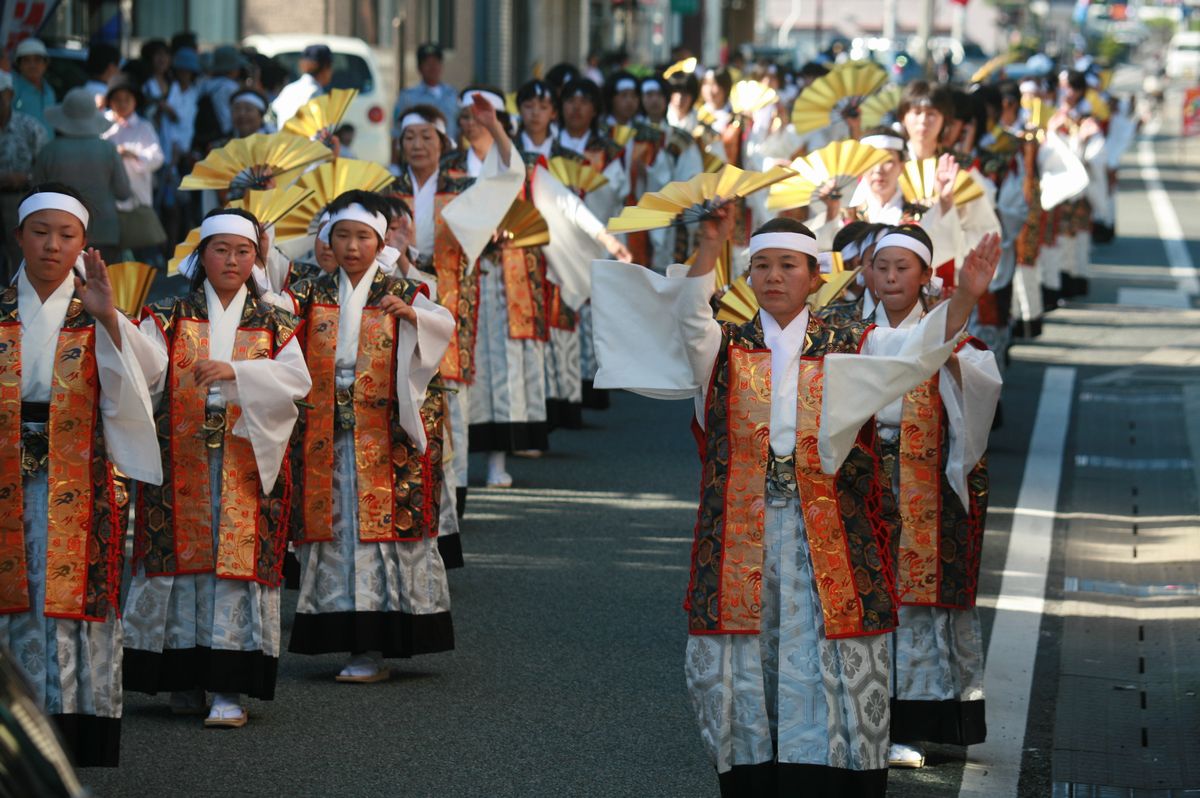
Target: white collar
point(790, 338)
point(422, 188)
point(911, 320)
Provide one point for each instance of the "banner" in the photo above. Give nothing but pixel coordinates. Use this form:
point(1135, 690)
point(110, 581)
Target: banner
point(20, 19)
point(1191, 112)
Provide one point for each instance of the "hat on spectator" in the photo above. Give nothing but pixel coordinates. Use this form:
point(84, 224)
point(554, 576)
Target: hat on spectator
point(77, 115)
point(30, 46)
point(319, 54)
point(186, 58)
point(429, 50)
point(5, 81)
point(226, 58)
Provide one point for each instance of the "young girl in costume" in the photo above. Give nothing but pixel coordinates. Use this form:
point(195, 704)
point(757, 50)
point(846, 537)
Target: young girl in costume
point(372, 582)
point(203, 612)
point(73, 377)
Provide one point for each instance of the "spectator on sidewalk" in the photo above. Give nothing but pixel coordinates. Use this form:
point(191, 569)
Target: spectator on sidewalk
point(79, 158)
point(102, 65)
point(32, 93)
point(214, 120)
point(20, 139)
point(142, 155)
point(316, 67)
point(430, 91)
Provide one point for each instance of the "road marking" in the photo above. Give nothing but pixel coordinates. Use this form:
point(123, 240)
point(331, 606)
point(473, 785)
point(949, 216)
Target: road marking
point(994, 768)
point(1169, 230)
point(1153, 298)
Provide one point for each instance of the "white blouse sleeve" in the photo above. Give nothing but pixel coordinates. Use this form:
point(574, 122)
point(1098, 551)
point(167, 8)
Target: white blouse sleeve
point(267, 391)
point(126, 379)
point(891, 364)
point(654, 335)
point(970, 408)
point(419, 352)
point(573, 233)
point(474, 214)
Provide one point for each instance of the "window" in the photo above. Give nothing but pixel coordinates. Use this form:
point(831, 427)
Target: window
point(213, 21)
point(439, 22)
point(349, 71)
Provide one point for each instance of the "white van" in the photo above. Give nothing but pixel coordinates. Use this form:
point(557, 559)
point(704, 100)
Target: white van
point(1183, 55)
point(354, 67)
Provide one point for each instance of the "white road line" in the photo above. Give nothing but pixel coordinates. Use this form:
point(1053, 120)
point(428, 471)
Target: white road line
point(994, 768)
point(1169, 230)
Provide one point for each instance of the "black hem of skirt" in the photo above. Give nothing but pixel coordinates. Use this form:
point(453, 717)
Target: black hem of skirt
point(395, 634)
point(1073, 286)
point(450, 548)
point(508, 436)
point(90, 741)
point(564, 414)
point(595, 398)
point(950, 722)
point(250, 673)
point(770, 779)
point(460, 501)
point(1050, 298)
point(1029, 328)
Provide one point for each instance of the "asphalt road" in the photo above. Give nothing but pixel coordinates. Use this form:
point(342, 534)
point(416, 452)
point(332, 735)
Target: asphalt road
point(567, 677)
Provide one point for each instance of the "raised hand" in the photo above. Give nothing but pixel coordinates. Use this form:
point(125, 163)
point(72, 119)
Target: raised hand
point(97, 293)
point(980, 266)
point(944, 178)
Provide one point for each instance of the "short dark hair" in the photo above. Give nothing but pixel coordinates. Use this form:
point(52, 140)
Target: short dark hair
point(533, 89)
point(852, 232)
point(100, 57)
point(54, 187)
point(921, 92)
point(685, 83)
point(198, 277)
point(724, 79)
point(1077, 80)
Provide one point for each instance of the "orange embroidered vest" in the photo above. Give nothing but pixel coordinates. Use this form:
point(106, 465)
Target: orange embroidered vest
point(173, 530)
point(84, 529)
point(399, 487)
point(845, 515)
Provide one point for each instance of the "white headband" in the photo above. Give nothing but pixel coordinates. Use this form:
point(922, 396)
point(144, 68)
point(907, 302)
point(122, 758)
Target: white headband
point(250, 98)
point(468, 99)
point(883, 142)
point(850, 251)
point(52, 201)
point(356, 213)
point(625, 84)
point(1029, 87)
point(906, 242)
point(416, 119)
point(224, 223)
point(651, 85)
point(797, 242)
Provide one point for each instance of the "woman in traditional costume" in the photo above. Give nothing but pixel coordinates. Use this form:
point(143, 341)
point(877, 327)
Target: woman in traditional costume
point(372, 581)
point(934, 440)
point(791, 595)
point(203, 611)
point(75, 377)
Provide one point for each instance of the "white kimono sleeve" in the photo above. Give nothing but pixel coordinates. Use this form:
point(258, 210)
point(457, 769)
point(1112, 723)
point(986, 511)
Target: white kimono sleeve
point(655, 335)
point(126, 376)
point(970, 408)
point(573, 233)
point(474, 215)
point(267, 391)
point(419, 352)
point(891, 364)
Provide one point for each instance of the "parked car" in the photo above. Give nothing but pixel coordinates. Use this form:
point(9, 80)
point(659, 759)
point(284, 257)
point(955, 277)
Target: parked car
point(354, 67)
point(1183, 55)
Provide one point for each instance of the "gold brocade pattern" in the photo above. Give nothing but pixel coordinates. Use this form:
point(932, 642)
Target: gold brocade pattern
point(191, 497)
point(241, 521)
point(318, 430)
point(73, 418)
point(373, 390)
point(14, 583)
point(823, 522)
point(749, 420)
point(518, 292)
point(919, 463)
point(457, 292)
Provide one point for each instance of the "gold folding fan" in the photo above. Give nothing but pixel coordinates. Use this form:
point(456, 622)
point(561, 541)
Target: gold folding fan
point(750, 96)
point(859, 64)
point(131, 281)
point(327, 182)
point(1003, 142)
point(621, 134)
point(251, 162)
point(840, 92)
point(712, 163)
point(1037, 110)
point(918, 181)
point(993, 64)
point(829, 172)
point(576, 175)
point(686, 66)
point(738, 304)
point(876, 109)
point(269, 207)
point(523, 226)
point(692, 200)
point(1099, 105)
point(831, 288)
point(182, 250)
point(320, 116)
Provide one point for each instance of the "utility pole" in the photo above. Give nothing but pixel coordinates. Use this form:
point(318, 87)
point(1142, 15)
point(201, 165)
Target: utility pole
point(710, 54)
point(924, 33)
point(889, 22)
